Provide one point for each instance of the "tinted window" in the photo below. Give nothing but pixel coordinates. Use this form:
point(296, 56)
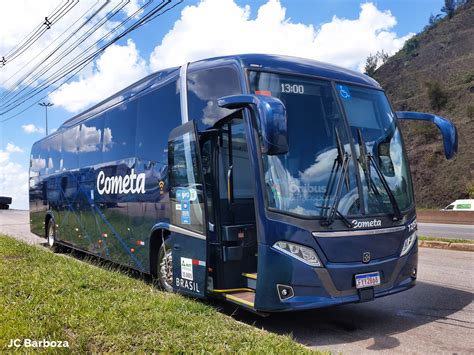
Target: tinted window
point(204, 88)
point(69, 148)
point(186, 195)
point(158, 113)
point(370, 116)
point(54, 163)
point(119, 132)
point(39, 157)
point(90, 142)
point(303, 180)
point(239, 159)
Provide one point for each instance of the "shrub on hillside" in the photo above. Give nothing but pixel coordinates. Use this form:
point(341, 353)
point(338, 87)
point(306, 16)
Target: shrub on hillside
point(470, 189)
point(410, 46)
point(437, 96)
point(470, 111)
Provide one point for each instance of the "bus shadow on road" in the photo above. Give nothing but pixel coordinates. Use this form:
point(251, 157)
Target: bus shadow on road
point(379, 320)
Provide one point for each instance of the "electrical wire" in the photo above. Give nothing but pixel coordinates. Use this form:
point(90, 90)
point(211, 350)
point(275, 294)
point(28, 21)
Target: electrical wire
point(19, 81)
point(39, 32)
point(7, 97)
point(78, 63)
point(78, 66)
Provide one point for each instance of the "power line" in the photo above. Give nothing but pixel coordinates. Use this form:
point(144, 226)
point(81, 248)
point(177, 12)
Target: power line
point(38, 32)
point(7, 97)
point(40, 60)
point(81, 61)
point(77, 62)
point(77, 66)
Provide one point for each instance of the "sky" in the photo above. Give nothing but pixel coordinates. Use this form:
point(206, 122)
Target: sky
point(341, 32)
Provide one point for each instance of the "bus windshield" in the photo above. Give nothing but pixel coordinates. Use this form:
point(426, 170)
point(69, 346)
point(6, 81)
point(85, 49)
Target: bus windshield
point(304, 181)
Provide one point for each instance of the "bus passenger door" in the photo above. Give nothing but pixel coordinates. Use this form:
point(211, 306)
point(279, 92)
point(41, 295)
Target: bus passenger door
point(188, 218)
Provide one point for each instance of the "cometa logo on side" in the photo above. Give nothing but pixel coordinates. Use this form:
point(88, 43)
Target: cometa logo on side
point(132, 183)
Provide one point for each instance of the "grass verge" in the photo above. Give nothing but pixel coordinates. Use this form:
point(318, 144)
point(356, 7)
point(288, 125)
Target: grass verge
point(95, 309)
point(449, 240)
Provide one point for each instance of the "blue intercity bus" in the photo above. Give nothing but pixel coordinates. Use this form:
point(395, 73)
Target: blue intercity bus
point(272, 182)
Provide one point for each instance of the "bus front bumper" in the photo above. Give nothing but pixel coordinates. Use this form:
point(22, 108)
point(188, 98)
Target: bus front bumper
point(331, 285)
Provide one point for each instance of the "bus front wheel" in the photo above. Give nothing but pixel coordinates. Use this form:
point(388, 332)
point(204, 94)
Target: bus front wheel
point(165, 267)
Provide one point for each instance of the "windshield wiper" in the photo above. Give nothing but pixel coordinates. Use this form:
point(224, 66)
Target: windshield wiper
point(366, 160)
point(342, 160)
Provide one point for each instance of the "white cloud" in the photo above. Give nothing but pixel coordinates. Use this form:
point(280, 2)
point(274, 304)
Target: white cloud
point(13, 178)
point(12, 148)
point(31, 128)
point(118, 67)
point(221, 27)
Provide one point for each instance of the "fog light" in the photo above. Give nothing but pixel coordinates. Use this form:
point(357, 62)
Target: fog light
point(285, 292)
point(413, 272)
point(300, 252)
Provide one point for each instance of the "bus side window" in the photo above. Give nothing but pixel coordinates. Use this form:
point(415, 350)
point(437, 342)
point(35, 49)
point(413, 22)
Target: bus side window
point(119, 132)
point(54, 163)
point(159, 112)
point(90, 142)
point(69, 148)
point(204, 88)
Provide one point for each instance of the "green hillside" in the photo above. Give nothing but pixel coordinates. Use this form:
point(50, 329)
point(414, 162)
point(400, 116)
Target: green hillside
point(434, 72)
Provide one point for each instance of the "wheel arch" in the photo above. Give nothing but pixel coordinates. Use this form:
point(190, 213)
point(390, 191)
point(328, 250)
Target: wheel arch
point(160, 232)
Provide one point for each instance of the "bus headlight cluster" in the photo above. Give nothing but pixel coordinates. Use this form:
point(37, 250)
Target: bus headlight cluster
point(409, 242)
point(300, 252)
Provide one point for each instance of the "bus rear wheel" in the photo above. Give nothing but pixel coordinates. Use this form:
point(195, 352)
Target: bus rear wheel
point(51, 234)
point(165, 267)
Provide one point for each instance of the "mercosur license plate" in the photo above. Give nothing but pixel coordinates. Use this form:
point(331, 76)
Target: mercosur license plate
point(367, 280)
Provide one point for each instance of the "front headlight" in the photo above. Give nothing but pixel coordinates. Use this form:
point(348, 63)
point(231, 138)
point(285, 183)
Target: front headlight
point(300, 252)
point(409, 242)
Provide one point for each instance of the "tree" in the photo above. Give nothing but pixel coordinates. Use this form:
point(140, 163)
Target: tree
point(373, 60)
point(434, 19)
point(449, 7)
point(437, 96)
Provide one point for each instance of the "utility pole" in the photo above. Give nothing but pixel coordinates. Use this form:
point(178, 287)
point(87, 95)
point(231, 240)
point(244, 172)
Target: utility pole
point(46, 105)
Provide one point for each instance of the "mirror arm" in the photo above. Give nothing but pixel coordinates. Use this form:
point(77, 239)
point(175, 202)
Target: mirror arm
point(447, 128)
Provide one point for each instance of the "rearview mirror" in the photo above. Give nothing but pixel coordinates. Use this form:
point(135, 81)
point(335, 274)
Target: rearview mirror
point(271, 114)
point(447, 128)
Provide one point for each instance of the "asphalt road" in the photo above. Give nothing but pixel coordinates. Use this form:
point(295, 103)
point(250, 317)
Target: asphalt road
point(436, 316)
point(457, 231)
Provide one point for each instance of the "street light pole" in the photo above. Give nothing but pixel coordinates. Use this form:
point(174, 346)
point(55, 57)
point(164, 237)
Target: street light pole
point(46, 105)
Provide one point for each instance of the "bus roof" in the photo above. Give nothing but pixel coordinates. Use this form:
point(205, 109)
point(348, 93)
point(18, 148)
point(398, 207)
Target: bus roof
point(295, 65)
point(271, 62)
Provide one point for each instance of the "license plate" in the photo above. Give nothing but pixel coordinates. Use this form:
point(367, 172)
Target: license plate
point(367, 280)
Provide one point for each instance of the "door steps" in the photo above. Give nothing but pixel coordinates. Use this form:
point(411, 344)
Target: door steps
point(242, 298)
point(251, 279)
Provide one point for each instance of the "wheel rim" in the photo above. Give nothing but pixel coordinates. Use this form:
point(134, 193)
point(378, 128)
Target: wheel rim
point(166, 270)
point(51, 235)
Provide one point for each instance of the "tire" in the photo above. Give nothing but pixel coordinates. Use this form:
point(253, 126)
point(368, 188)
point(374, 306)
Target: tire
point(51, 235)
point(164, 270)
